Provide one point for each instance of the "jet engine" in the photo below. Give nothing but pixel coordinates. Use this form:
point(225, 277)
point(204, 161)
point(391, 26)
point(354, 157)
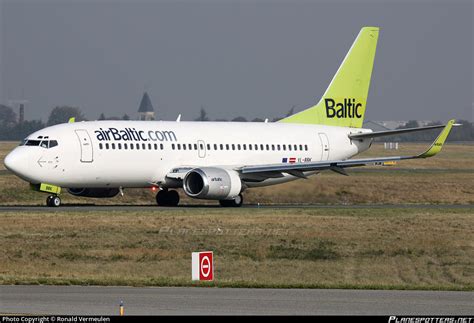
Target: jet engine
point(212, 183)
point(94, 192)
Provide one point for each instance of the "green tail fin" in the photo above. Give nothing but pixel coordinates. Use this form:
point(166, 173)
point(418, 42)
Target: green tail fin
point(343, 104)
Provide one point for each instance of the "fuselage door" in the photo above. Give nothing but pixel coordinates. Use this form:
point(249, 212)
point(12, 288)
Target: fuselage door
point(86, 146)
point(324, 146)
point(201, 149)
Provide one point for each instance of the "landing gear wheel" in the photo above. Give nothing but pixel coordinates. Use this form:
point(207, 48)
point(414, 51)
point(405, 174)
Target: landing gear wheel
point(236, 202)
point(167, 198)
point(53, 201)
point(173, 198)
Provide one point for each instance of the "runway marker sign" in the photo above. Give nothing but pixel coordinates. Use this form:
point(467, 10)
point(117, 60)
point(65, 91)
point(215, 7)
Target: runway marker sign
point(202, 265)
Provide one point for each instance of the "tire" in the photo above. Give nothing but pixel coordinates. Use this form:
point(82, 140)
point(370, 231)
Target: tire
point(236, 202)
point(53, 201)
point(161, 198)
point(172, 198)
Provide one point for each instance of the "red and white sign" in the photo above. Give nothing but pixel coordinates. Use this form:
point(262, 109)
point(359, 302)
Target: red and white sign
point(202, 266)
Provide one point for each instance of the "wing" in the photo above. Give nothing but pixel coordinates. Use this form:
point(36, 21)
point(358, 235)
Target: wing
point(298, 169)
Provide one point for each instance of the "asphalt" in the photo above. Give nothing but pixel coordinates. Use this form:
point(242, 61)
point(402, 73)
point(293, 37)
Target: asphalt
point(108, 208)
point(81, 300)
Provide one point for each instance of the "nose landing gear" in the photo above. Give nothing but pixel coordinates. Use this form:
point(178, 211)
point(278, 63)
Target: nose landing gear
point(167, 198)
point(53, 201)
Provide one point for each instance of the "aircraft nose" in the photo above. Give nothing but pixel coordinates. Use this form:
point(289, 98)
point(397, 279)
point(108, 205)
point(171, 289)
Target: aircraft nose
point(16, 162)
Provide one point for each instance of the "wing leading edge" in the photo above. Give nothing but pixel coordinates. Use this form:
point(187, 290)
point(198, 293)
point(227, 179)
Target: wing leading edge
point(338, 166)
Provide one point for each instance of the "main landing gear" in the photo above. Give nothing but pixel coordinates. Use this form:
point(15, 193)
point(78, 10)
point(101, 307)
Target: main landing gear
point(167, 198)
point(236, 202)
point(53, 201)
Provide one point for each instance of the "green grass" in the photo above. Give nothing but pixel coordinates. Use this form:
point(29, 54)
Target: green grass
point(383, 248)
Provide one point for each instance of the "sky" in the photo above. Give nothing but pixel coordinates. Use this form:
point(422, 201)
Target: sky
point(234, 58)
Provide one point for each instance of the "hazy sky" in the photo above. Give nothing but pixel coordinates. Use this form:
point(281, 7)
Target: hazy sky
point(249, 58)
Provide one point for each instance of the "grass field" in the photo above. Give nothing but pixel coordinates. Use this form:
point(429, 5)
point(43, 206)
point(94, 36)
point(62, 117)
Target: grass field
point(386, 248)
point(445, 179)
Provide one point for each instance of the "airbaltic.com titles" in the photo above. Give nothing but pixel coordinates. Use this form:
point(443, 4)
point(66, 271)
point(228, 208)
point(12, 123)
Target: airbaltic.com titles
point(132, 134)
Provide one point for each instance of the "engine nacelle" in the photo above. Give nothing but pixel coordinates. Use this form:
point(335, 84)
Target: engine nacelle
point(94, 192)
point(212, 183)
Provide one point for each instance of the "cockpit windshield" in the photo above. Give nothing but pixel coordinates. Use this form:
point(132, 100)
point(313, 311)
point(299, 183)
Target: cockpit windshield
point(42, 143)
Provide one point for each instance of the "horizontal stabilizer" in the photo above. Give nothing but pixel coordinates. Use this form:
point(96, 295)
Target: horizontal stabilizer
point(395, 132)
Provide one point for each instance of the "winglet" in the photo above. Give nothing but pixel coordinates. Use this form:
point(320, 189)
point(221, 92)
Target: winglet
point(438, 143)
point(72, 120)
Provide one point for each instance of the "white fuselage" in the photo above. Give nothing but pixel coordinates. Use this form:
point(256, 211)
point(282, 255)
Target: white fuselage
point(99, 153)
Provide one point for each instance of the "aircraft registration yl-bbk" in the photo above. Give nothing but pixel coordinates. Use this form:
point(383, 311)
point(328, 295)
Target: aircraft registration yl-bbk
point(212, 160)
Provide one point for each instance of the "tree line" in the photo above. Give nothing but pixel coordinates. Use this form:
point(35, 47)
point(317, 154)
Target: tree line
point(12, 129)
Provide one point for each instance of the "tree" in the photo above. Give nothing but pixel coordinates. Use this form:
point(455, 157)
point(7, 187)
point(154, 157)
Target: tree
point(102, 116)
point(258, 120)
point(61, 114)
point(291, 111)
point(125, 117)
point(202, 115)
point(239, 119)
point(7, 116)
point(410, 124)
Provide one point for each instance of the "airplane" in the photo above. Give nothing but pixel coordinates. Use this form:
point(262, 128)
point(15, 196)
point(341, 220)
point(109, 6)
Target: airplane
point(212, 160)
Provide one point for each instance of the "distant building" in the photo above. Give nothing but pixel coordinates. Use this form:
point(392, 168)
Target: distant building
point(145, 110)
point(391, 125)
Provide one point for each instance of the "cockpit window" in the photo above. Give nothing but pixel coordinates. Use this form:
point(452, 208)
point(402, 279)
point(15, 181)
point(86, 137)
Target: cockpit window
point(42, 143)
point(32, 142)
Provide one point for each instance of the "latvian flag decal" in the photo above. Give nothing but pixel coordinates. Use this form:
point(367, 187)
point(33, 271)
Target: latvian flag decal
point(290, 160)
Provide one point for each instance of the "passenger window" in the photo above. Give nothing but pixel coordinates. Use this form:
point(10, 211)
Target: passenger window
point(226, 146)
point(179, 146)
point(143, 146)
point(306, 147)
point(106, 146)
point(100, 146)
point(195, 147)
point(278, 147)
point(250, 147)
point(284, 147)
point(273, 147)
point(172, 146)
point(233, 147)
point(137, 146)
point(155, 146)
point(184, 146)
point(119, 146)
point(215, 146)
point(238, 146)
point(149, 146)
point(201, 146)
point(161, 146)
point(289, 147)
point(190, 147)
point(125, 146)
point(295, 147)
point(268, 147)
point(222, 147)
point(131, 146)
point(301, 147)
point(113, 146)
point(244, 146)
point(208, 147)
point(261, 147)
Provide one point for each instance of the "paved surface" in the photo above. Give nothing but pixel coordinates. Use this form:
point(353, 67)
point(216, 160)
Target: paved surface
point(91, 207)
point(43, 300)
